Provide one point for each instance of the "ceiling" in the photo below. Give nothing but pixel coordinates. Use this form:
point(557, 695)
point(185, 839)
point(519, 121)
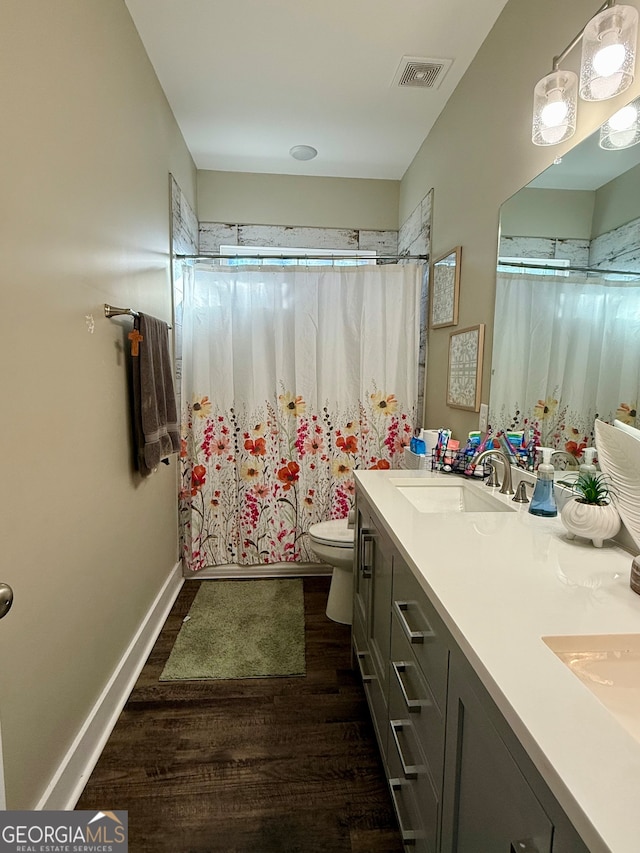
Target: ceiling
point(249, 79)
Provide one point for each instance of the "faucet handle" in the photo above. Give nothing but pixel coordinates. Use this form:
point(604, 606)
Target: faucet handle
point(520, 496)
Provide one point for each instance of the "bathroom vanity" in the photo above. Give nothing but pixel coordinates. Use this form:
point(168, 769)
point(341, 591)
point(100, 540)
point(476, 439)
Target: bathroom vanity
point(469, 614)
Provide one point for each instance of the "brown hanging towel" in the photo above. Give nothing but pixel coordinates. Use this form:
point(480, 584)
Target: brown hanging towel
point(155, 420)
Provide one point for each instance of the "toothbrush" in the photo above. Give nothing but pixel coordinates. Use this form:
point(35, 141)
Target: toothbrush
point(441, 445)
point(482, 446)
point(446, 435)
point(531, 451)
point(436, 452)
point(508, 447)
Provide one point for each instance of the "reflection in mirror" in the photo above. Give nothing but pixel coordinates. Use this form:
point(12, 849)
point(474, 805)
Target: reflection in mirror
point(567, 319)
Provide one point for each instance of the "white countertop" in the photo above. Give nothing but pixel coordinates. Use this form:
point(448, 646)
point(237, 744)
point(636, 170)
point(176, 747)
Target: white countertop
point(501, 581)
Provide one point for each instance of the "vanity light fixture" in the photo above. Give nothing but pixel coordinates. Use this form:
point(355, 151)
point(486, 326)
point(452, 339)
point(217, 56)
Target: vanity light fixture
point(607, 68)
point(622, 130)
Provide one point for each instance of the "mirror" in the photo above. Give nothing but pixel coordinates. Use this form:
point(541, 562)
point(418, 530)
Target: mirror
point(567, 317)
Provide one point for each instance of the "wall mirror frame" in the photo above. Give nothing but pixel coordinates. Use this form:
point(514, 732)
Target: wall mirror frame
point(593, 197)
point(464, 370)
point(445, 289)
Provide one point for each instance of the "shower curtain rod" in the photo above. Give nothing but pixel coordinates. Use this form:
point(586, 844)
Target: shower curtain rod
point(553, 268)
point(337, 257)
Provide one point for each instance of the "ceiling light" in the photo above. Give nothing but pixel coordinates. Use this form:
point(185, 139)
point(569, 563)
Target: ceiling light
point(607, 69)
point(622, 130)
point(303, 152)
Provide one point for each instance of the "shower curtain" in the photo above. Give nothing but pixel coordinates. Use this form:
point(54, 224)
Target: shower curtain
point(566, 350)
point(291, 379)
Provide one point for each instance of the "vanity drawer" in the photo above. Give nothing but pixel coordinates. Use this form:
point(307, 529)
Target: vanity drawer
point(376, 697)
point(411, 831)
point(378, 707)
point(410, 698)
point(423, 630)
point(358, 633)
point(412, 790)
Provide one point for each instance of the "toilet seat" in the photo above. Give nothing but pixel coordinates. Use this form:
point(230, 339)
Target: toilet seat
point(335, 533)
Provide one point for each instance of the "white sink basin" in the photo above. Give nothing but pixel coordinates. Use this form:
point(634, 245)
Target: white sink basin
point(454, 496)
point(609, 665)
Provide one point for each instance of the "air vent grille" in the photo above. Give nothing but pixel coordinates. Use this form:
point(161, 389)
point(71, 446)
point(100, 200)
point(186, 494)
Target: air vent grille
point(421, 73)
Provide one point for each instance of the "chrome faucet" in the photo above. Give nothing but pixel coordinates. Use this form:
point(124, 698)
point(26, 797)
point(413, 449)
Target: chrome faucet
point(568, 456)
point(507, 488)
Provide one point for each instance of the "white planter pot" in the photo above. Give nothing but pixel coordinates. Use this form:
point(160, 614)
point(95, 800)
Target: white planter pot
point(590, 520)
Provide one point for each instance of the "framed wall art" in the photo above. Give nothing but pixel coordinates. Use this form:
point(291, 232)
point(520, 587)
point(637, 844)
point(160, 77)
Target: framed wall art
point(445, 289)
point(464, 374)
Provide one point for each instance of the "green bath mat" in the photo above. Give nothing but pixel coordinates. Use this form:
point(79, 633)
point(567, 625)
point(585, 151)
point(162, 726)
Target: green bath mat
point(241, 629)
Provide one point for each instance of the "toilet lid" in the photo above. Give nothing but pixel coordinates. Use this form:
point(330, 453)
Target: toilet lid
point(333, 532)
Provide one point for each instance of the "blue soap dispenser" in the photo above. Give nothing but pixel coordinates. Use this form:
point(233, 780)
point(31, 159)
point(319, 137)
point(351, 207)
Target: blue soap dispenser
point(543, 501)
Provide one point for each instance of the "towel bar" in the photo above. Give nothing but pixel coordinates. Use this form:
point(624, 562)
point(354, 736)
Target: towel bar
point(111, 311)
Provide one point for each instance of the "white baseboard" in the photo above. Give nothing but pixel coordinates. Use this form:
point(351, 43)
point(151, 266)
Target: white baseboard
point(267, 570)
point(68, 782)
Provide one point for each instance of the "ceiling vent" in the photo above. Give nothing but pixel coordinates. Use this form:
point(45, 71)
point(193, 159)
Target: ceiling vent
point(421, 73)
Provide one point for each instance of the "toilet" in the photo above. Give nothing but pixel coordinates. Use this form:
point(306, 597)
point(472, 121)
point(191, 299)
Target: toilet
point(332, 543)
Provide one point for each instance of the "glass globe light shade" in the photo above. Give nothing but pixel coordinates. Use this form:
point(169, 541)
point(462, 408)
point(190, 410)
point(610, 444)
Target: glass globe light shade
point(608, 53)
point(554, 108)
point(622, 130)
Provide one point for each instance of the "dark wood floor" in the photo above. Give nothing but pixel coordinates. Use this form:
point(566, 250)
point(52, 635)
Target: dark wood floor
point(271, 765)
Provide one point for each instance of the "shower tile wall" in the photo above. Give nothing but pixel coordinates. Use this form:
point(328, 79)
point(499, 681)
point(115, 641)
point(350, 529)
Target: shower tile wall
point(184, 241)
point(414, 238)
point(184, 223)
point(546, 248)
point(216, 234)
point(617, 249)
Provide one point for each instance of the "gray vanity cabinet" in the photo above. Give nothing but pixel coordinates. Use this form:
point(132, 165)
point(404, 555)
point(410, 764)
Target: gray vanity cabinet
point(494, 798)
point(460, 780)
point(372, 617)
point(417, 706)
point(488, 804)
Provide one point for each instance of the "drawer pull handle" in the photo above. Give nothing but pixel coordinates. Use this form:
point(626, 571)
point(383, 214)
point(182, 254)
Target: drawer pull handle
point(414, 705)
point(413, 636)
point(524, 845)
point(410, 770)
point(408, 835)
point(366, 679)
point(366, 553)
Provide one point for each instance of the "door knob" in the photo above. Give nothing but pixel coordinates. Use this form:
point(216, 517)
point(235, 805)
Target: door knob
point(6, 599)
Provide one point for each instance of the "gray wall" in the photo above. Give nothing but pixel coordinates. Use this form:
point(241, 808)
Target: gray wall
point(88, 144)
point(259, 199)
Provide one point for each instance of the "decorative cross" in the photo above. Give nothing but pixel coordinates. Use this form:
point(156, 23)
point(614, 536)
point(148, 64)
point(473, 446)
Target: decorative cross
point(135, 337)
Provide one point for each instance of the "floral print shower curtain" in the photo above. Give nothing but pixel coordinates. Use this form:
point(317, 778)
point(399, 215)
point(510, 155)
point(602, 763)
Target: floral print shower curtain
point(292, 378)
point(565, 352)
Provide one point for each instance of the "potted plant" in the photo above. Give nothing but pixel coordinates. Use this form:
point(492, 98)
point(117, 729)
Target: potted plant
point(590, 512)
